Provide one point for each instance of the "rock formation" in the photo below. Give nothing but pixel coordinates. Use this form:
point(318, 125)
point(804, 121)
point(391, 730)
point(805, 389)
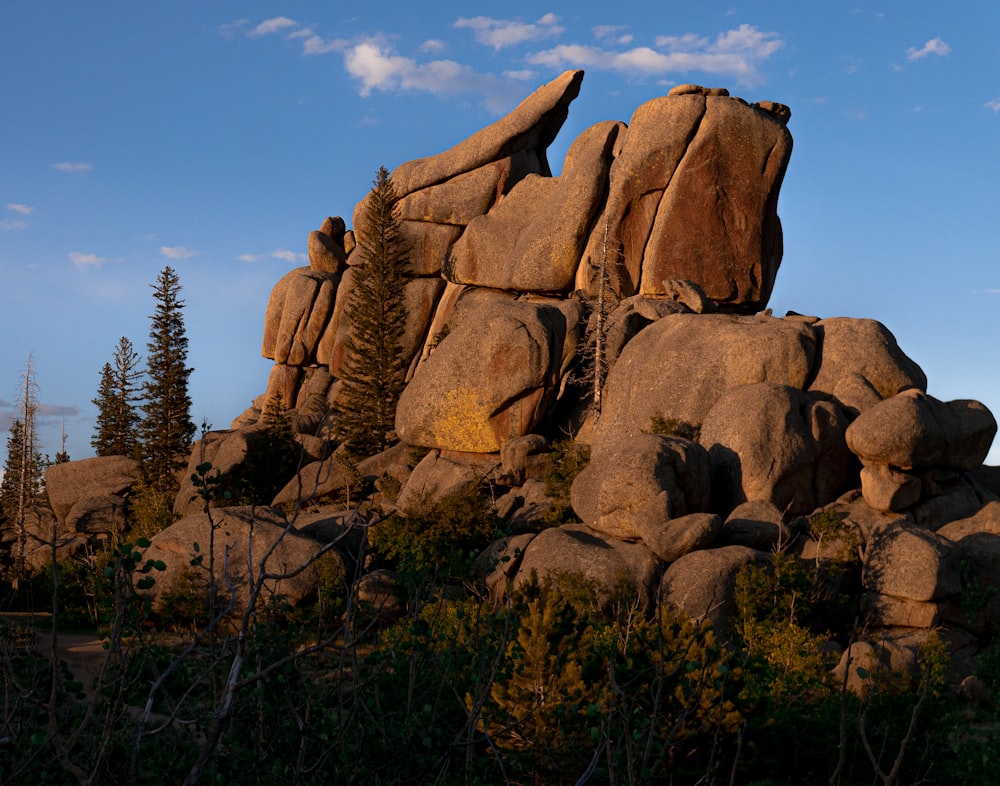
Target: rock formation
point(724, 433)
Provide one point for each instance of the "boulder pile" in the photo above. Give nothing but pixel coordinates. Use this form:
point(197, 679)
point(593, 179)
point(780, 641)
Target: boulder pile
point(723, 434)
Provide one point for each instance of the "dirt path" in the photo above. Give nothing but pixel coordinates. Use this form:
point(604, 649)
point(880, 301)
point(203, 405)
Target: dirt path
point(83, 652)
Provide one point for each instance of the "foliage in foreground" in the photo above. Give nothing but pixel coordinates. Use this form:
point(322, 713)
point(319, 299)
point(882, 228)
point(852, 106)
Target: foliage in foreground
point(551, 687)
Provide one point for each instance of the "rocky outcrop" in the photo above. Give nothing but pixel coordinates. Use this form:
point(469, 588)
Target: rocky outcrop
point(73, 481)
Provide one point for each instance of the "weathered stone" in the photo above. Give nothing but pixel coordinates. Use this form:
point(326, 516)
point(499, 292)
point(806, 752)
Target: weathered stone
point(656, 140)
point(531, 126)
point(326, 255)
point(985, 520)
point(98, 515)
point(40, 525)
point(758, 525)
point(772, 442)
point(702, 584)
point(438, 476)
point(697, 90)
point(334, 228)
point(958, 502)
point(888, 489)
point(915, 430)
point(671, 540)
point(72, 481)
point(602, 562)
point(681, 365)
point(497, 565)
point(230, 529)
point(487, 381)
point(911, 563)
point(865, 349)
point(532, 240)
point(298, 311)
point(641, 482)
point(470, 194)
point(717, 222)
point(887, 611)
point(520, 455)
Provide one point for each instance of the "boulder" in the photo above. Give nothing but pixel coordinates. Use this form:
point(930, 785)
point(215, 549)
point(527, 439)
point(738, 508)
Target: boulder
point(604, 563)
point(103, 515)
point(757, 524)
point(524, 457)
point(243, 537)
point(702, 584)
point(532, 240)
point(672, 539)
point(888, 489)
point(985, 520)
point(860, 353)
point(488, 380)
point(772, 442)
point(440, 475)
point(530, 127)
point(72, 481)
point(298, 311)
point(460, 199)
point(912, 430)
point(681, 365)
point(40, 524)
point(910, 563)
point(717, 221)
point(640, 483)
point(327, 255)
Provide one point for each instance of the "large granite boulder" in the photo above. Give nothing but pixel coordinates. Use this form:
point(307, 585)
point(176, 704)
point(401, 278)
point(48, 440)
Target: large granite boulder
point(72, 481)
point(532, 240)
point(772, 442)
point(298, 311)
point(913, 430)
point(693, 195)
point(488, 380)
point(604, 563)
point(640, 483)
point(681, 365)
point(246, 541)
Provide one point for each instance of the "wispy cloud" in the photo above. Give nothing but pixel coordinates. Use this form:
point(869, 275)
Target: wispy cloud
point(274, 25)
point(71, 166)
point(278, 253)
point(432, 46)
point(991, 291)
point(501, 33)
point(933, 47)
point(377, 67)
point(23, 211)
point(229, 29)
point(994, 104)
point(736, 53)
point(313, 44)
point(57, 410)
point(87, 260)
point(178, 252)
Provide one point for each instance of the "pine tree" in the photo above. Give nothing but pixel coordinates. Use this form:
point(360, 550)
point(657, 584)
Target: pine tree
point(24, 473)
point(166, 430)
point(117, 403)
point(374, 364)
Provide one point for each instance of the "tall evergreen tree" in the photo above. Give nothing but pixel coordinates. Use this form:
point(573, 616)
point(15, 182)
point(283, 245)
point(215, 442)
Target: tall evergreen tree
point(374, 365)
point(117, 401)
point(23, 482)
point(166, 430)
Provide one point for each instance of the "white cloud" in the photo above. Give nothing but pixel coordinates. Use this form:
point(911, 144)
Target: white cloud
point(994, 104)
point(24, 210)
point(736, 53)
point(612, 32)
point(178, 252)
point(274, 25)
point(522, 75)
point(933, 47)
point(230, 28)
point(286, 255)
point(501, 33)
point(87, 260)
point(376, 67)
point(71, 166)
point(432, 45)
point(317, 45)
point(8, 224)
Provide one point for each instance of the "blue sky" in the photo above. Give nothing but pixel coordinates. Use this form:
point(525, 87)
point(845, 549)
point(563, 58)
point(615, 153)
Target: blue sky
point(214, 136)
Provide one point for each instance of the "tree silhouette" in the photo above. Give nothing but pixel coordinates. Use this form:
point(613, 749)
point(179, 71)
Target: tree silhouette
point(166, 430)
point(374, 365)
point(117, 403)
